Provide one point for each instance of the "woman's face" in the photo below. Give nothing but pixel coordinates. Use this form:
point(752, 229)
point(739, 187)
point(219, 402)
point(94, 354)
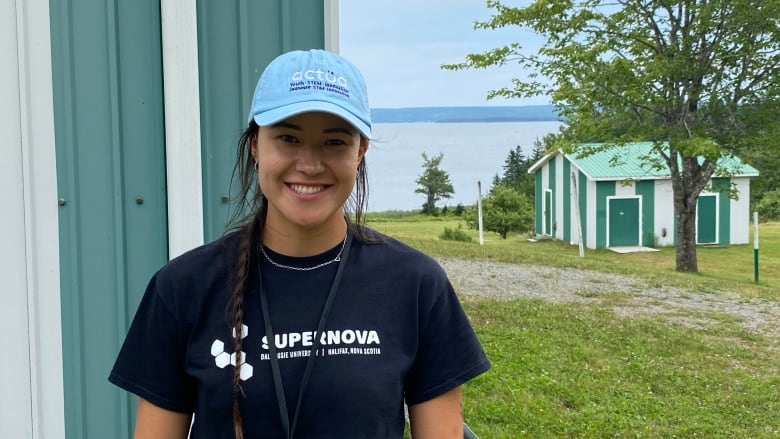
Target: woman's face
point(307, 166)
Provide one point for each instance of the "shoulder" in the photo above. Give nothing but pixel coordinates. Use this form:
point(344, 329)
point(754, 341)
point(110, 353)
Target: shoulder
point(201, 264)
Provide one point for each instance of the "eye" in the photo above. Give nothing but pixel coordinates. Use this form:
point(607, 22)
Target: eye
point(335, 142)
point(287, 138)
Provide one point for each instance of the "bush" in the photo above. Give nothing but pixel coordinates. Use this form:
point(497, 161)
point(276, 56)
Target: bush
point(769, 206)
point(456, 234)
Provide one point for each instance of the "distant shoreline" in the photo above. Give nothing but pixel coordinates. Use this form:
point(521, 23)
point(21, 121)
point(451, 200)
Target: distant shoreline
point(527, 113)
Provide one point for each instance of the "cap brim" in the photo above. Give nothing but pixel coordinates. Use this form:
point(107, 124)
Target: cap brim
point(270, 117)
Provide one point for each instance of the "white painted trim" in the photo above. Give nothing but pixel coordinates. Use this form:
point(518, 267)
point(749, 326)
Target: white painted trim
point(182, 124)
point(331, 18)
point(41, 231)
point(639, 214)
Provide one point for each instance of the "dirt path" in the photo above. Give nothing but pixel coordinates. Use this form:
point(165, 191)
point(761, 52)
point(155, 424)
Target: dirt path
point(501, 281)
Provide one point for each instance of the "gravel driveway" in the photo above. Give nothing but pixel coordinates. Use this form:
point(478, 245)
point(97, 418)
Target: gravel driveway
point(503, 281)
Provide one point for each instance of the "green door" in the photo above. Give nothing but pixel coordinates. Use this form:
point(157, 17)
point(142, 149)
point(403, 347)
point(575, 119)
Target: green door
point(547, 212)
point(108, 116)
point(623, 222)
point(707, 219)
point(236, 40)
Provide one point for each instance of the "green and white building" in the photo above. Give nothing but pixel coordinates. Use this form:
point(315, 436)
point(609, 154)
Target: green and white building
point(119, 122)
point(611, 199)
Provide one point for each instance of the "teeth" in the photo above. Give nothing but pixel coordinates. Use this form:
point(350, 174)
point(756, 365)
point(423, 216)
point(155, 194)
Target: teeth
point(306, 190)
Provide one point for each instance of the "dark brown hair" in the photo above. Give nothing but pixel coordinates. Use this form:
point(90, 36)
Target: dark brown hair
point(248, 219)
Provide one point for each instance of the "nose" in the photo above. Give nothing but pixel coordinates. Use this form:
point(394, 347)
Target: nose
point(309, 160)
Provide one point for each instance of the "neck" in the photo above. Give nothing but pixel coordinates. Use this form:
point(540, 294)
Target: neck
point(305, 242)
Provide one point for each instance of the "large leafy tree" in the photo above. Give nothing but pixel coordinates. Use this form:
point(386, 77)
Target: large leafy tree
point(695, 77)
point(434, 183)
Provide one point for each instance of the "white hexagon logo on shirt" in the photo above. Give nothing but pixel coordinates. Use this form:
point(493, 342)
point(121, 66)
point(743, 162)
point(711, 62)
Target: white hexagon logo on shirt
point(222, 358)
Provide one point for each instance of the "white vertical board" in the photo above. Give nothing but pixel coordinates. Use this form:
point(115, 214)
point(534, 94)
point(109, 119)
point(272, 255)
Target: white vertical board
point(182, 125)
point(739, 226)
point(16, 396)
point(663, 215)
point(31, 401)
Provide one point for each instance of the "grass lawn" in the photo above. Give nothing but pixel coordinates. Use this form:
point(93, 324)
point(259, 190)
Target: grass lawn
point(728, 268)
point(578, 371)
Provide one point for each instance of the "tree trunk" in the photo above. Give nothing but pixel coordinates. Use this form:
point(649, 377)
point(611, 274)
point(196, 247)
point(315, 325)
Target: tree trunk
point(686, 238)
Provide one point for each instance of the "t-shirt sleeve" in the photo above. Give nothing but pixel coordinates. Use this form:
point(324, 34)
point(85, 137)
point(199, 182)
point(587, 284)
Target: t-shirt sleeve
point(449, 352)
point(151, 362)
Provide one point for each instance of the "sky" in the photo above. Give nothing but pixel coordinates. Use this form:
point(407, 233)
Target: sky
point(399, 45)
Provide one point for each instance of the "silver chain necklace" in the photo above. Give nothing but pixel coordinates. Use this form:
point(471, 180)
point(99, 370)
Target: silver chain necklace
point(314, 267)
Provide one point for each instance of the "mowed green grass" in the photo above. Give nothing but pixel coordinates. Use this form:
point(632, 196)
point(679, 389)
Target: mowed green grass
point(580, 371)
point(726, 268)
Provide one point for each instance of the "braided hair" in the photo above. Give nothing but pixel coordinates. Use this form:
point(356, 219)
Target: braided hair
point(248, 219)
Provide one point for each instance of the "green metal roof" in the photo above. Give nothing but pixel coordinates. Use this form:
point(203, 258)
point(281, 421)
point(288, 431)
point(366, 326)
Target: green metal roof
point(629, 162)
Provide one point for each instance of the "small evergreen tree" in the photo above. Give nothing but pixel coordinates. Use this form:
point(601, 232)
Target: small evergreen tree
point(516, 174)
point(434, 183)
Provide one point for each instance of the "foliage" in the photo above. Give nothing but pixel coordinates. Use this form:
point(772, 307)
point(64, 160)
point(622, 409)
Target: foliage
point(769, 206)
point(504, 210)
point(698, 79)
point(434, 183)
point(455, 234)
point(516, 166)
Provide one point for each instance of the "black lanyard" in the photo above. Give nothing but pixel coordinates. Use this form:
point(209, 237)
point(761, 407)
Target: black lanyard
point(280, 398)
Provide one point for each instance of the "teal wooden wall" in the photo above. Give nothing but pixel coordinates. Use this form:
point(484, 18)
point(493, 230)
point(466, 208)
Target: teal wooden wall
point(604, 189)
point(646, 189)
point(110, 141)
point(110, 146)
point(236, 40)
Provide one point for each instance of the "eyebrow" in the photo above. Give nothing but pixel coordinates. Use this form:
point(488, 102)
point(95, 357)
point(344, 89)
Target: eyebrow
point(325, 131)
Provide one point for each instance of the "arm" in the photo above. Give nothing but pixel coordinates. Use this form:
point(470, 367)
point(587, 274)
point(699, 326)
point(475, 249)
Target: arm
point(153, 422)
point(438, 418)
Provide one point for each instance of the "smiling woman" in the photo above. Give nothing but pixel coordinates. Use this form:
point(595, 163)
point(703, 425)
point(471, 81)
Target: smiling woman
point(307, 166)
point(359, 323)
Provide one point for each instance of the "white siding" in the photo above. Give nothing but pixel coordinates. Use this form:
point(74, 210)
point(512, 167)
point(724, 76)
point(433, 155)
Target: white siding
point(576, 204)
point(31, 400)
point(182, 125)
point(663, 218)
point(590, 233)
point(625, 189)
point(559, 219)
point(740, 213)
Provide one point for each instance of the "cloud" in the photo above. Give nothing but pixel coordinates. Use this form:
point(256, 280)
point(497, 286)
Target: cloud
point(400, 47)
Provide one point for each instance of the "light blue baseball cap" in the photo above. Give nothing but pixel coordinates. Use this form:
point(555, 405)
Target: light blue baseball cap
point(314, 80)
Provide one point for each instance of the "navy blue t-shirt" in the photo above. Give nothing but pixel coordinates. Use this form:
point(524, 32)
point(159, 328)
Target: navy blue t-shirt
point(396, 332)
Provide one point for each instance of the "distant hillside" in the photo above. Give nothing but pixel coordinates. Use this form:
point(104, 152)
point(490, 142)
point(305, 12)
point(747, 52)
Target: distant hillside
point(532, 113)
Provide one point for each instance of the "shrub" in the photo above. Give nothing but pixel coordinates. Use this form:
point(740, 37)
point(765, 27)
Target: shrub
point(769, 206)
point(456, 234)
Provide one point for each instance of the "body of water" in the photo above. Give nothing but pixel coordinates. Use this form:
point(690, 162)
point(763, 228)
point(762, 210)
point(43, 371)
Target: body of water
point(473, 152)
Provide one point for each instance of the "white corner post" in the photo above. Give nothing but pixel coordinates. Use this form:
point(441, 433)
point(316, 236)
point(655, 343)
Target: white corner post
point(181, 89)
point(332, 25)
point(755, 247)
point(32, 395)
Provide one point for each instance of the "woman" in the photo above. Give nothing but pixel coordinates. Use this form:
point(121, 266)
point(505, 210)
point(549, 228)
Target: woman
point(302, 323)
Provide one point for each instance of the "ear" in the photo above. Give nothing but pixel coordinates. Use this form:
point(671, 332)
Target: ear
point(363, 148)
point(253, 147)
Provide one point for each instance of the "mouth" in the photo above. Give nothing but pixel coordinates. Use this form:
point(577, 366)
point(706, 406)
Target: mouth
point(305, 189)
